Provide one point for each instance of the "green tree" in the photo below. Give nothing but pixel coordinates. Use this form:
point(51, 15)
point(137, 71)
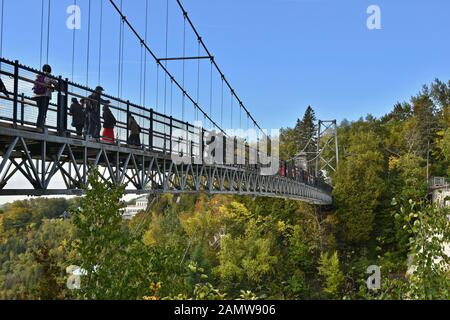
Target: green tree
point(302, 137)
point(427, 276)
point(359, 186)
point(429, 228)
point(329, 269)
point(117, 265)
point(306, 131)
point(17, 217)
point(33, 261)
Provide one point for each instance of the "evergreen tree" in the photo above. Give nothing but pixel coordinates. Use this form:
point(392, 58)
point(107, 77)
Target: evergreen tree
point(306, 131)
point(426, 121)
point(306, 135)
point(329, 269)
point(359, 186)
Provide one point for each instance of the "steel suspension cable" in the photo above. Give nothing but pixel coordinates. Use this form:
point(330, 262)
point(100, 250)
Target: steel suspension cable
point(204, 118)
point(119, 76)
point(1, 29)
point(257, 137)
point(248, 123)
point(122, 60)
point(248, 129)
point(198, 81)
point(48, 27)
point(88, 44)
point(211, 92)
point(221, 107)
point(100, 44)
point(141, 63)
point(157, 86)
point(73, 44)
point(145, 55)
point(232, 105)
point(120, 51)
point(171, 96)
point(240, 117)
point(42, 33)
point(167, 46)
point(184, 68)
point(215, 63)
point(133, 30)
point(141, 79)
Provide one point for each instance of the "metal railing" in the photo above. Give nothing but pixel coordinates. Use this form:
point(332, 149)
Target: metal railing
point(20, 109)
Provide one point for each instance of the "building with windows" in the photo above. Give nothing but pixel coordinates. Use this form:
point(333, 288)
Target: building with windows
point(439, 190)
point(132, 210)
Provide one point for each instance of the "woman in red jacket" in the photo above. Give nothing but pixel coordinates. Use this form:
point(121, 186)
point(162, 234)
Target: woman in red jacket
point(109, 122)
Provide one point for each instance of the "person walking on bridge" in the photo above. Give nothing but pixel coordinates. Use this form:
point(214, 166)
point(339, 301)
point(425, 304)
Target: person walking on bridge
point(44, 85)
point(85, 107)
point(109, 122)
point(95, 101)
point(78, 116)
point(135, 131)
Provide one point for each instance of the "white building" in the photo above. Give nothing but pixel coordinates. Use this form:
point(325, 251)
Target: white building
point(132, 210)
point(440, 191)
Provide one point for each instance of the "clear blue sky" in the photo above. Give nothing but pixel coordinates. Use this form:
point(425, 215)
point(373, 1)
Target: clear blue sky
point(280, 55)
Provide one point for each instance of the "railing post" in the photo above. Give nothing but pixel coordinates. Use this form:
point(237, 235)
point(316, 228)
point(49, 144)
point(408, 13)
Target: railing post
point(150, 134)
point(188, 144)
point(60, 108)
point(66, 103)
point(22, 109)
point(192, 156)
point(258, 158)
point(225, 147)
point(170, 135)
point(16, 92)
point(202, 152)
point(128, 123)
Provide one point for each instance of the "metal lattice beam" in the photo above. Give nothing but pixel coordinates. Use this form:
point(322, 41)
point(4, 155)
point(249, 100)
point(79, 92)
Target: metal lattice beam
point(141, 171)
point(327, 146)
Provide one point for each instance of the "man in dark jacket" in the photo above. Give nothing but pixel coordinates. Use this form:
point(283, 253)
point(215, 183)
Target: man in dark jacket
point(78, 116)
point(135, 131)
point(95, 101)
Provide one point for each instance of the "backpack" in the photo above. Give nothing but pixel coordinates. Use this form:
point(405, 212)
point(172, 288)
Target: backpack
point(3, 88)
point(39, 85)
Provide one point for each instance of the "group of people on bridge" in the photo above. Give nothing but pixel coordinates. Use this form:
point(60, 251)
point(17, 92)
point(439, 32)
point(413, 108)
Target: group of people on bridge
point(85, 113)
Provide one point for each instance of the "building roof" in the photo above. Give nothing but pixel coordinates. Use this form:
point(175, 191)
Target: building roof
point(143, 198)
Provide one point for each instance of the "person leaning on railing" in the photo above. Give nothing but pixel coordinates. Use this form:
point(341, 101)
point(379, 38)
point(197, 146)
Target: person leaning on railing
point(44, 85)
point(94, 104)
